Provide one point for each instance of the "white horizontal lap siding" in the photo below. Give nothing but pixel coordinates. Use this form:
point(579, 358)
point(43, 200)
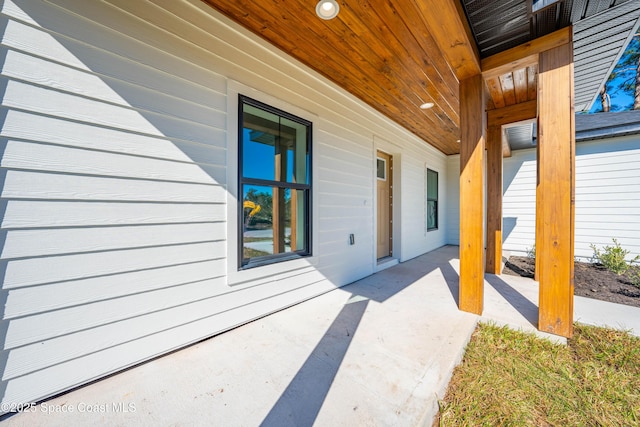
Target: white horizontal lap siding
point(118, 353)
point(114, 192)
point(345, 204)
point(115, 182)
point(607, 197)
point(66, 133)
point(519, 202)
point(452, 191)
point(416, 240)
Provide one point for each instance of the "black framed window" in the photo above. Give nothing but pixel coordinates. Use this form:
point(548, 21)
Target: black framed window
point(432, 200)
point(274, 184)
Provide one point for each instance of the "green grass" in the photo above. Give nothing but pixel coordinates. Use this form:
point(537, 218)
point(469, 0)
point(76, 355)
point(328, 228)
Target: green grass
point(510, 378)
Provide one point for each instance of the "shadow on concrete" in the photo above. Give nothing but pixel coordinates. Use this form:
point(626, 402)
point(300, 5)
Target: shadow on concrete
point(452, 278)
point(518, 301)
point(301, 401)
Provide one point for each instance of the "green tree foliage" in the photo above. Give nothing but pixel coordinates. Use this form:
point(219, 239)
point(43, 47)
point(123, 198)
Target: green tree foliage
point(625, 77)
point(265, 200)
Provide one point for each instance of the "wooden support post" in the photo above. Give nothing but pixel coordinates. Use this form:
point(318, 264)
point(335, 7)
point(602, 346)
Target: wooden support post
point(472, 163)
point(539, 223)
point(494, 200)
point(556, 186)
point(277, 199)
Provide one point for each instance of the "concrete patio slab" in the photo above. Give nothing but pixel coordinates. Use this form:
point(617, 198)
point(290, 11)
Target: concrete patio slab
point(513, 301)
point(379, 352)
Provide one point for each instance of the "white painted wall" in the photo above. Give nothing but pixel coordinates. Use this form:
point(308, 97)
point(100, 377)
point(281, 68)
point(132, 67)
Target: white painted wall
point(607, 197)
point(410, 163)
point(453, 200)
point(118, 197)
point(519, 202)
point(608, 194)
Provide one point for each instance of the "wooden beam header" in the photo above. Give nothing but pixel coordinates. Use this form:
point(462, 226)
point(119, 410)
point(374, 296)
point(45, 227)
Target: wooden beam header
point(524, 55)
point(513, 113)
point(450, 29)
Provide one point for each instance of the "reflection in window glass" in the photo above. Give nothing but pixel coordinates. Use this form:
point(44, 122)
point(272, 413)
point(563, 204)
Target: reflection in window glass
point(274, 148)
point(273, 220)
point(432, 199)
point(274, 184)
point(381, 169)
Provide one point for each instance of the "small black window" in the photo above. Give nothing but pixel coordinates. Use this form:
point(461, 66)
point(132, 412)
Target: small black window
point(381, 169)
point(432, 200)
point(274, 183)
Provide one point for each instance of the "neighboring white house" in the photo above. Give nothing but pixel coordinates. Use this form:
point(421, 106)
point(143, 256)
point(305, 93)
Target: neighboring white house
point(607, 187)
point(121, 218)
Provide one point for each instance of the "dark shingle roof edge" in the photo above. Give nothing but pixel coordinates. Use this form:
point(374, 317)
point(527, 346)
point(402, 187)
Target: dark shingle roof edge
point(607, 125)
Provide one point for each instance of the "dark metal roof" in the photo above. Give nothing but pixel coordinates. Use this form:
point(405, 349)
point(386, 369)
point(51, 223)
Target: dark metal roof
point(601, 31)
point(498, 25)
point(601, 28)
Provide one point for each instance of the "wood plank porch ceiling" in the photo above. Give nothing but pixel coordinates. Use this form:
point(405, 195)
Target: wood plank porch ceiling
point(382, 52)
point(394, 56)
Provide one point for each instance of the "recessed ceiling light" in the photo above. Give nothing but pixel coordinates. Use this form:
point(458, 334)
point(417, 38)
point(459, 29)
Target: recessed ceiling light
point(427, 105)
point(327, 9)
